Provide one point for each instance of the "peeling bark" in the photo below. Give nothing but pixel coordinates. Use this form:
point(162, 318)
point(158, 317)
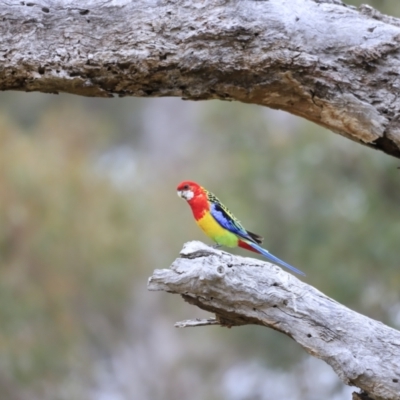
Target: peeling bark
point(363, 352)
point(333, 64)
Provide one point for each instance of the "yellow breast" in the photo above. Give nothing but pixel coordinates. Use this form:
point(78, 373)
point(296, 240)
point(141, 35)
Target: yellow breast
point(216, 232)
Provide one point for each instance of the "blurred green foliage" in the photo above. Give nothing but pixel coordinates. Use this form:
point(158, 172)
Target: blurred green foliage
point(390, 7)
point(66, 238)
point(83, 224)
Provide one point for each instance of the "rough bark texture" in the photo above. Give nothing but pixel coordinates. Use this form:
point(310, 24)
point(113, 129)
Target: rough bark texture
point(320, 59)
point(363, 352)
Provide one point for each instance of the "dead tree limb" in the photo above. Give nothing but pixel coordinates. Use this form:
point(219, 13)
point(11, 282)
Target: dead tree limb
point(363, 352)
point(333, 64)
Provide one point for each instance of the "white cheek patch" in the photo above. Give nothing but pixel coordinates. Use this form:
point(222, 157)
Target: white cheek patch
point(188, 194)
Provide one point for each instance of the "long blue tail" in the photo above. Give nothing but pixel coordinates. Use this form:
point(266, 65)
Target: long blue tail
point(271, 257)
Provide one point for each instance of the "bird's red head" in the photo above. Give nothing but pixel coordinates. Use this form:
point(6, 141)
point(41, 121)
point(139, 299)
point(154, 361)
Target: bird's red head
point(189, 190)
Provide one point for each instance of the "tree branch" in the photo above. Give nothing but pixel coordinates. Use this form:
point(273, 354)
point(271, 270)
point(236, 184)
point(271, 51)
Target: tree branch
point(239, 291)
point(319, 59)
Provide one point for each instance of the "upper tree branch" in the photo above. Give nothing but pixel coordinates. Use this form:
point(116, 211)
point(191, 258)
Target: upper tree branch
point(319, 59)
point(363, 352)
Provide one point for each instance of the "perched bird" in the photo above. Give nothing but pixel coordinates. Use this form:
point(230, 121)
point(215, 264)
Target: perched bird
point(218, 223)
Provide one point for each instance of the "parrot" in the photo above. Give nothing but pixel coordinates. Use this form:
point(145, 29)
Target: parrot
point(218, 223)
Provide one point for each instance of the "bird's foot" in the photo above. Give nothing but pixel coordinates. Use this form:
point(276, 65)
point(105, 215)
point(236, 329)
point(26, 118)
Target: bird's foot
point(217, 246)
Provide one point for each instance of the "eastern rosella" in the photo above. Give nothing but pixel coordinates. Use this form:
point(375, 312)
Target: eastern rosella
point(218, 223)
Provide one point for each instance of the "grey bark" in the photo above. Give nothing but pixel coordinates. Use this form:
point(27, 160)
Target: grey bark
point(320, 59)
point(363, 352)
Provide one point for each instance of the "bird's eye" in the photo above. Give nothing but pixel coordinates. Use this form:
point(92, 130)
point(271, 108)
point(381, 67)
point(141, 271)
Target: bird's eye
point(186, 187)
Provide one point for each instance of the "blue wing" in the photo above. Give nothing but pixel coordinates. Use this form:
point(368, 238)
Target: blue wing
point(227, 221)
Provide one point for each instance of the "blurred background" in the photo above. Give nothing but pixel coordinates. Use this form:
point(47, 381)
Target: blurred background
point(89, 209)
